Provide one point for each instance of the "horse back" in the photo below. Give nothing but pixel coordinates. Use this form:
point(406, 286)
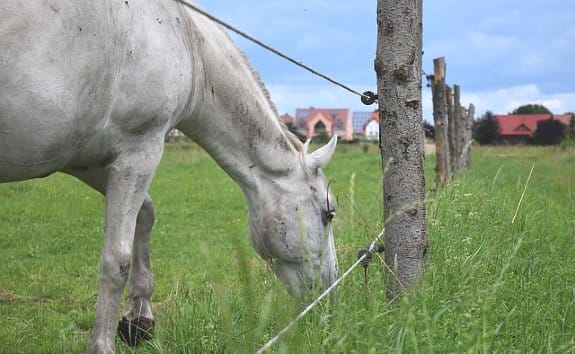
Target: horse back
point(81, 81)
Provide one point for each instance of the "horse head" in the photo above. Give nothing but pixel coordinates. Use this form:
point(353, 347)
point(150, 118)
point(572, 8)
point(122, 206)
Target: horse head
point(290, 224)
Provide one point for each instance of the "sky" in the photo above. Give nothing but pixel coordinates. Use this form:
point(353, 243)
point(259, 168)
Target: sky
point(502, 53)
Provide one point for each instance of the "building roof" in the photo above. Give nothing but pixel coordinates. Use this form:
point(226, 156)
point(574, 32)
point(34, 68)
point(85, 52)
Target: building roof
point(525, 124)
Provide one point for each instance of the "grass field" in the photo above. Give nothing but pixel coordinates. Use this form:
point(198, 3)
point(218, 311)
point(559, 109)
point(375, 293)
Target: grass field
point(492, 285)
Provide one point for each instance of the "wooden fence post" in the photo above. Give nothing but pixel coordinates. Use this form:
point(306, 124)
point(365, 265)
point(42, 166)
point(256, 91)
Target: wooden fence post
point(463, 127)
point(458, 112)
point(442, 167)
point(467, 136)
point(451, 131)
point(398, 68)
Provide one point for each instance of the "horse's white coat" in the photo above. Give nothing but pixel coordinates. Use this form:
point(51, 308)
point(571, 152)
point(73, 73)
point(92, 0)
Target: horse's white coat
point(90, 88)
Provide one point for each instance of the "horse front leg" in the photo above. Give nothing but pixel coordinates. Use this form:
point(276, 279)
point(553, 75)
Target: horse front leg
point(138, 322)
point(128, 180)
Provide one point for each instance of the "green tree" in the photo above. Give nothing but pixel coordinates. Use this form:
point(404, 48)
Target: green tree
point(531, 109)
point(429, 130)
point(322, 137)
point(292, 128)
point(571, 128)
point(486, 129)
point(549, 132)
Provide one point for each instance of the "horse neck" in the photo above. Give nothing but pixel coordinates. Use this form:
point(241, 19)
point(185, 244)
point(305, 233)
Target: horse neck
point(246, 143)
point(233, 118)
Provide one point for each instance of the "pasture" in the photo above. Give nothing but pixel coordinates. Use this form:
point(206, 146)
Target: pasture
point(492, 286)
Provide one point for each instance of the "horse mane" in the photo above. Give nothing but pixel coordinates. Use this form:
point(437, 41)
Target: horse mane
point(292, 138)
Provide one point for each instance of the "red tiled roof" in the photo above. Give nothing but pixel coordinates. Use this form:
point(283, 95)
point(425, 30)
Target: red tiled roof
point(525, 124)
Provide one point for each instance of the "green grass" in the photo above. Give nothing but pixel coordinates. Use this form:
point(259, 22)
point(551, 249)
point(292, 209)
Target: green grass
point(492, 286)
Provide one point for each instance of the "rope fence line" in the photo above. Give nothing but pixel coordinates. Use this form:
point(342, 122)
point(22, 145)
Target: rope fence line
point(365, 96)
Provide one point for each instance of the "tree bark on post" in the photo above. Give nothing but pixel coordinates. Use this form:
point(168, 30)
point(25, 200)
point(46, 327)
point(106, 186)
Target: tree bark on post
point(442, 165)
point(398, 68)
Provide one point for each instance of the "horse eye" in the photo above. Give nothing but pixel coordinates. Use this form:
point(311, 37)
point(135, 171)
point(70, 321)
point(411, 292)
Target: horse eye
point(329, 215)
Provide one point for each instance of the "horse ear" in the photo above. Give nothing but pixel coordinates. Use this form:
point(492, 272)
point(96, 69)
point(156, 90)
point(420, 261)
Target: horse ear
point(306, 145)
point(321, 156)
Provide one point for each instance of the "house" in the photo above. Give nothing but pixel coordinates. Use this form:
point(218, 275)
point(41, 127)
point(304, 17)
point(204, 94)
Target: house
point(518, 128)
point(370, 129)
point(366, 125)
point(311, 121)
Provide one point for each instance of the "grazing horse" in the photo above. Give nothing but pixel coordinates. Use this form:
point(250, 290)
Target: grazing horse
point(91, 88)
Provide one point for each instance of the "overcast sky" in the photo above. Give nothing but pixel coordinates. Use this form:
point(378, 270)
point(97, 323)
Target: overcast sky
point(502, 53)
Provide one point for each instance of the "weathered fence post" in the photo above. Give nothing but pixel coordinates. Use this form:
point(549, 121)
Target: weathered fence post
point(451, 131)
point(463, 127)
point(458, 112)
point(467, 136)
point(398, 68)
point(442, 167)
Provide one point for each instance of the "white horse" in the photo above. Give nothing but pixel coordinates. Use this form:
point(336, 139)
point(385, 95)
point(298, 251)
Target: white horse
point(91, 88)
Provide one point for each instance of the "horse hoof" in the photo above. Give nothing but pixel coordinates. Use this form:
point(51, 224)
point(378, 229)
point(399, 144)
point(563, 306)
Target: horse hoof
point(136, 331)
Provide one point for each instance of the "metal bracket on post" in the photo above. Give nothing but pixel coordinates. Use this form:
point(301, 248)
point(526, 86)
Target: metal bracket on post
point(368, 98)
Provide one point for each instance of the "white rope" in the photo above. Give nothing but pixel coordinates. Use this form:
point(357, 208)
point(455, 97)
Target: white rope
point(287, 328)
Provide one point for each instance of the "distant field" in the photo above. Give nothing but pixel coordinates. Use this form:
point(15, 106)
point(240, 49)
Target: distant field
point(492, 286)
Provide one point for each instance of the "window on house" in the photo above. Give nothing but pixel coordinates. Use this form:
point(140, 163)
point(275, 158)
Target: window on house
point(522, 128)
point(319, 126)
point(301, 117)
